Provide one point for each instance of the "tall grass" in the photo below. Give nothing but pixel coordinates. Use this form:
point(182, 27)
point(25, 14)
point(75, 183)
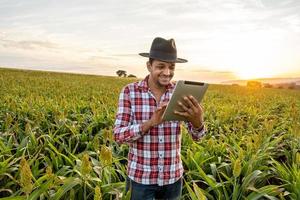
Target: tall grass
point(56, 140)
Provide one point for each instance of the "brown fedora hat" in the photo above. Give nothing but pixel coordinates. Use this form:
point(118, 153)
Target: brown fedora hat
point(164, 50)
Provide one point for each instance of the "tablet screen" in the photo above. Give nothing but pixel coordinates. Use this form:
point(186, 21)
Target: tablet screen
point(183, 88)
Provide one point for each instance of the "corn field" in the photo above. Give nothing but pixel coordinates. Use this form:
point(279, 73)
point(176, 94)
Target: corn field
point(56, 141)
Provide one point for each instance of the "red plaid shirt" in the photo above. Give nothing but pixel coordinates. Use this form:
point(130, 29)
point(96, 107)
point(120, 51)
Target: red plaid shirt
point(153, 158)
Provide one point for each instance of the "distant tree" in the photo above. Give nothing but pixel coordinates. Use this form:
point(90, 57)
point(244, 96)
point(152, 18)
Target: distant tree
point(268, 85)
point(292, 85)
point(121, 73)
point(235, 84)
point(254, 84)
point(131, 76)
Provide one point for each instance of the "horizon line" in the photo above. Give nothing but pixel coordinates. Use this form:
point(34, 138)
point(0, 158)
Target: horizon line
point(96, 74)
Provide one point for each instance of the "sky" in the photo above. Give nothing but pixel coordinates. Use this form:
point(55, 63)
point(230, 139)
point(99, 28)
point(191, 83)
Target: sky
point(221, 39)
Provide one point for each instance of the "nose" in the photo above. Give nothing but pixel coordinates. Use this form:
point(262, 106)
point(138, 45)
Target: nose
point(167, 71)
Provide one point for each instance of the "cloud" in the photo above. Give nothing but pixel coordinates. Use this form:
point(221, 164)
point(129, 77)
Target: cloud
point(293, 21)
point(207, 33)
point(203, 71)
point(95, 59)
point(28, 44)
point(204, 75)
point(126, 55)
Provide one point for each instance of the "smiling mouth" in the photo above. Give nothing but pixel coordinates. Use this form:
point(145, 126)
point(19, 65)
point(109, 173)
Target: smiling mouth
point(165, 77)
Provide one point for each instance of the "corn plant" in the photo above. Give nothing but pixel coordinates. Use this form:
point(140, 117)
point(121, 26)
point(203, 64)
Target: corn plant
point(56, 140)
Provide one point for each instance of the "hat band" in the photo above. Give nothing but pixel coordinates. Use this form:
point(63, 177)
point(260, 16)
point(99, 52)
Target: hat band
point(163, 56)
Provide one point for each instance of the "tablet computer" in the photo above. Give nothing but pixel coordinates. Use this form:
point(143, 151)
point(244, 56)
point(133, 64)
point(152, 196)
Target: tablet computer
point(183, 88)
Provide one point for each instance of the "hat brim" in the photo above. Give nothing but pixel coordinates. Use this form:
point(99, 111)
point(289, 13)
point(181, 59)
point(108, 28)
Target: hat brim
point(178, 60)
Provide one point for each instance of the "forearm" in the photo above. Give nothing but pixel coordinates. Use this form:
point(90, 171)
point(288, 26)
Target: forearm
point(129, 133)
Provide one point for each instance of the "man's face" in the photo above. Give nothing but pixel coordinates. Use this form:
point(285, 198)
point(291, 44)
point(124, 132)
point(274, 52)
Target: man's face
point(161, 72)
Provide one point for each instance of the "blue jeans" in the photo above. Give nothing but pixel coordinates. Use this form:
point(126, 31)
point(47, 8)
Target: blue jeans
point(150, 192)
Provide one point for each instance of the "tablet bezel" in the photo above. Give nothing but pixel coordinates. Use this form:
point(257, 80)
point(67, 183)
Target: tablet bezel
point(183, 88)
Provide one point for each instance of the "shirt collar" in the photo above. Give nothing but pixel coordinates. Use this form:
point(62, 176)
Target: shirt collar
point(143, 85)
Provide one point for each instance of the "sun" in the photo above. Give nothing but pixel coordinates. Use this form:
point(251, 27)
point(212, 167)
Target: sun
point(254, 73)
point(248, 55)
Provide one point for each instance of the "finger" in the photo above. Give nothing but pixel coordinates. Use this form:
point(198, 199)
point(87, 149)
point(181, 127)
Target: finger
point(194, 101)
point(186, 109)
point(183, 114)
point(182, 106)
point(160, 112)
point(188, 101)
point(164, 108)
point(201, 108)
point(163, 104)
point(159, 108)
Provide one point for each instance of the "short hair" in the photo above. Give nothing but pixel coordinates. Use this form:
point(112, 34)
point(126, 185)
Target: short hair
point(151, 60)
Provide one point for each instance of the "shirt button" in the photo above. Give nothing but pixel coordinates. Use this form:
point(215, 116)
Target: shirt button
point(160, 155)
point(160, 140)
point(160, 169)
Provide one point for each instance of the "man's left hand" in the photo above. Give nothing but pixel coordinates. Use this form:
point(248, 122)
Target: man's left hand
point(192, 111)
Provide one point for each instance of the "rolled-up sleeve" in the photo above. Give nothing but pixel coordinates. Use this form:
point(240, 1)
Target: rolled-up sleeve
point(124, 131)
point(196, 134)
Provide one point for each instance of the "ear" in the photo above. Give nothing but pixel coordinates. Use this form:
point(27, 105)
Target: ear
point(149, 67)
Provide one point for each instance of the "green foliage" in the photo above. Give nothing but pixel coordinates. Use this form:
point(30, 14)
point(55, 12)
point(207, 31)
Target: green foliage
point(56, 140)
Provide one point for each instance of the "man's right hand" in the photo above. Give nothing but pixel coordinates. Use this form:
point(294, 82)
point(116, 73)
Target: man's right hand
point(155, 119)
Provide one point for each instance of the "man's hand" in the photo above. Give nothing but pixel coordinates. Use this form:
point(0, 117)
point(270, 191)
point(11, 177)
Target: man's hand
point(156, 118)
point(192, 111)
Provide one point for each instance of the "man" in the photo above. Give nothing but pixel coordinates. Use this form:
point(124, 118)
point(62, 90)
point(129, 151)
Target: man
point(154, 164)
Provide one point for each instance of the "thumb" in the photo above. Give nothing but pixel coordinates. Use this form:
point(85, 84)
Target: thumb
point(163, 104)
point(159, 108)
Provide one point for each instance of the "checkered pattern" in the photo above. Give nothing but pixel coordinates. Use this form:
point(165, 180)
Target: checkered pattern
point(153, 158)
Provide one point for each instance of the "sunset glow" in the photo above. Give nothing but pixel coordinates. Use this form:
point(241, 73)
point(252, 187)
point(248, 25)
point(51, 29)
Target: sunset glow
point(227, 40)
point(253, 73)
